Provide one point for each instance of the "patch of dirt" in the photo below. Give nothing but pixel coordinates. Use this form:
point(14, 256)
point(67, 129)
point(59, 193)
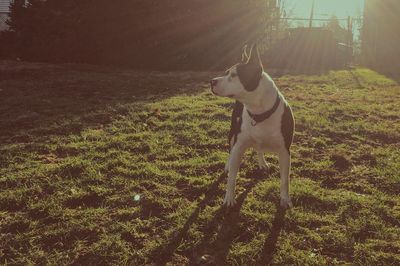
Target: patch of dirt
point(382, 137)
point(188, 191)
point(368, 158)
point(340, 162)
point(61, 240)
point(16, 227)
point(91, 200)
point(37, 213)
point(150, 208)
point(71, 170)
point(332, 182)
point(314, 203)
point(90, 259)
point(12, 204)
point(136, 241)
point(22, 138)
point(318, 174)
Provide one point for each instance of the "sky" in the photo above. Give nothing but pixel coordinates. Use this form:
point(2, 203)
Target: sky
point(325, 8)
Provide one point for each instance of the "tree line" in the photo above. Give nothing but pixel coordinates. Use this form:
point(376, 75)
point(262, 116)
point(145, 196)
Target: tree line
point(147, 34)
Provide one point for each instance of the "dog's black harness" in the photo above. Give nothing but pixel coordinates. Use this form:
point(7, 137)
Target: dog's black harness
point(261, 117)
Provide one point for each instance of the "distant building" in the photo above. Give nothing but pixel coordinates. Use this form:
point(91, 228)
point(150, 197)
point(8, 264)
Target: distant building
point(4, 13)
point(309, 49)
point(380, 37)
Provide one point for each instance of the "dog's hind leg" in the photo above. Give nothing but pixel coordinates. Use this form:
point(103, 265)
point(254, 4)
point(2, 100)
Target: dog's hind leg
point(235, 158)
point(284, 165)
point(262, 164)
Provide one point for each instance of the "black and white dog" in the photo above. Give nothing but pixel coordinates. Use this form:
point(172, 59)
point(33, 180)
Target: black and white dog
point(261, 119)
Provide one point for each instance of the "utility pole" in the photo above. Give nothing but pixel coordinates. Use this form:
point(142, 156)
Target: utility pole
point(312, 14)
point(349, 31)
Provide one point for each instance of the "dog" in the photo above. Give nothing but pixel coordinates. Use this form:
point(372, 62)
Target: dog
point(261, 119)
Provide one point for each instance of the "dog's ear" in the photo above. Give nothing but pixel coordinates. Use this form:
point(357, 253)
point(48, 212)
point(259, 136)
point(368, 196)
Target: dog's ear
point(254, 57)
point(245, 56)
point(250, 73)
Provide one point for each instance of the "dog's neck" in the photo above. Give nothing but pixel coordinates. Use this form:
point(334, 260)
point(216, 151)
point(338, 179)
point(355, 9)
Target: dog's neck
point(265, 97)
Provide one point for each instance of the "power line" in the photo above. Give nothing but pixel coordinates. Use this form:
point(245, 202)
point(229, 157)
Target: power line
point(317, 19)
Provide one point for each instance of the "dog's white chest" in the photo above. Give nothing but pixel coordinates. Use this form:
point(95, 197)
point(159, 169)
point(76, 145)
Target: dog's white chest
point(265, 136)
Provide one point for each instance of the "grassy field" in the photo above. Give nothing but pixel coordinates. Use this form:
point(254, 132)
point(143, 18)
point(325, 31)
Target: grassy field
point(112, 166)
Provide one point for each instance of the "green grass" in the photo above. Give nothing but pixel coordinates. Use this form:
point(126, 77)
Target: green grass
point(78, 143)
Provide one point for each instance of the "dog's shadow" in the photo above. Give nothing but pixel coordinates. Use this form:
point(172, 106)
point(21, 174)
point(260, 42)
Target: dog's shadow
point(213, 250)
point(270, 244)
point(163, 254)
point(227, 223)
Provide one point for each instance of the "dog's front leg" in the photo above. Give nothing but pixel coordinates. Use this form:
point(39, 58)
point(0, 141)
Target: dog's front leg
point(226, 169)
point(235, 158)
point(284, 165)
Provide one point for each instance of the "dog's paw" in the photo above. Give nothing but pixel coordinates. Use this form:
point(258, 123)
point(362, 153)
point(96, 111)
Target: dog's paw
point(286, 203)
point(229, 200)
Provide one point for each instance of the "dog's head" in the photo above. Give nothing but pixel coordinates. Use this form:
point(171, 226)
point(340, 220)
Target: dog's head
point(241, 80)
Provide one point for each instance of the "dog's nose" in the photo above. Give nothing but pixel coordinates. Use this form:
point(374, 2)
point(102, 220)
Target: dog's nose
point(214, 83)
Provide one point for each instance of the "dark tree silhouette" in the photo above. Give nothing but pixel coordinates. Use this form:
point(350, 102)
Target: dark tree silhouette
point(170, 34)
